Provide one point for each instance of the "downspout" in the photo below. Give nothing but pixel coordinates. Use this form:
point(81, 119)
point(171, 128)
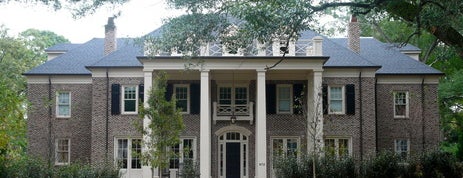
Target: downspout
point(376, 115)
point(422, 116)
point(361, 115)
point(50, 127)
point(107, 118)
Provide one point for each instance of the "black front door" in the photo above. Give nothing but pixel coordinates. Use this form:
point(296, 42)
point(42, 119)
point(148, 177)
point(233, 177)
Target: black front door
point(233, 160)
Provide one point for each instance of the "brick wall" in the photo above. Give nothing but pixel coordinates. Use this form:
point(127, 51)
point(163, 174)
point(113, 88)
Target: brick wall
point(390, 128)
point(76, 128)
point(119, 126)
point(341, 125)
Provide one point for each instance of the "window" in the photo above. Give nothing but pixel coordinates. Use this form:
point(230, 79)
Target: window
point(336, 99)
point(337, 147)
point(283, 147)
point(402, 148)
point(401, 104)
point(63, 104)
point(233, 100)
point(185, 151)
point(128, 149)
point(62, 151)
point(129, 100)
point(182, 98)
point(284, 99)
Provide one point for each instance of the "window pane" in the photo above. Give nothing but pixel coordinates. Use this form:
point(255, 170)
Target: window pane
point(336, 101)
point(336, 93)
point(129, 105)
point(241, 95)
point(224, 95)
point(336, 106)
point(291, 146)
point(182, 105)
point(63, 110)
point(63, 103)
point(400, 110)
point(284, 99)
point(284, 106)
point(136, 153)
point(122, 153)
point(330, 147)
point(130, 99)
point(343, 147)
point(62, 151)
point(63, 98)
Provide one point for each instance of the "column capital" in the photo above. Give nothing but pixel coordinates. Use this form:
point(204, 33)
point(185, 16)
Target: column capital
point(204, 70)
point(261, 70)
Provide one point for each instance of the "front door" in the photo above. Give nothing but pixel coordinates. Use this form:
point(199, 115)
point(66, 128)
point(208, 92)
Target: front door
point(233, 155)
point(233, 160)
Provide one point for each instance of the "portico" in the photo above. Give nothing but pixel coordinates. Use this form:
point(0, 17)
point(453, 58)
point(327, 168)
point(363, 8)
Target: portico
point(237, 74)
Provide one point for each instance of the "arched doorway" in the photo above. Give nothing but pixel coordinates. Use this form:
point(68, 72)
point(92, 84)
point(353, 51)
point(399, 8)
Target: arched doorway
point(233, 152)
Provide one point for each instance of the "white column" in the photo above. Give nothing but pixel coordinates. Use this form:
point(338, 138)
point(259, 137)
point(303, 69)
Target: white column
point(205, 130)
point(148, 83)
point(315, 112)
point(261, 127)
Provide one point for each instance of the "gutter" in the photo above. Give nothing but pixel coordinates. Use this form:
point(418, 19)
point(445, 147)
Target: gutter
point(361, 115)
point(376, 115)
point(423, 141)
point(50, 127)
point(107, 118)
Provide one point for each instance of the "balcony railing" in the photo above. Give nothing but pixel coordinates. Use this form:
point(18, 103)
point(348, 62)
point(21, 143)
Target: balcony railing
point(241, 112)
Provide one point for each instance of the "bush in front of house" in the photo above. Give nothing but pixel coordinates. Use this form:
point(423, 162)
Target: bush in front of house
point(385, 164)
point(27, 167)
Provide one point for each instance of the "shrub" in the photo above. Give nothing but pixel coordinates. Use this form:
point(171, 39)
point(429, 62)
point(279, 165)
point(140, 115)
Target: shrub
point(332, 167)
point(386, 164)
point(26, 167)
point(440, 164)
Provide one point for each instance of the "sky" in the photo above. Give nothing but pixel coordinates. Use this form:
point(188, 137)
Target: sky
point(138, 17)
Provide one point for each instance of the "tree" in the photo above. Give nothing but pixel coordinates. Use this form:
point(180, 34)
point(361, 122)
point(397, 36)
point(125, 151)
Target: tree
point(164, 127)
point(451, 108)
point(16, 57)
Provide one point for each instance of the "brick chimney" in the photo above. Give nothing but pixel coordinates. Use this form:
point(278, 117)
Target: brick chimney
point(353, 35)
point(110, 43)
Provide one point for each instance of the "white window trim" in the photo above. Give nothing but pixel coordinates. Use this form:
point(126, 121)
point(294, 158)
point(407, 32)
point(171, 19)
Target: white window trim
point(233, 99)
point(57, 104)
point(407, 105)
point(408, 146)
point(56, 152)
point(285, 149)
point(188, 95)
point(343, 92)
point(129, 152)
point(336, 144)
point(123, 99)
point(181, 150)
point(290, 98)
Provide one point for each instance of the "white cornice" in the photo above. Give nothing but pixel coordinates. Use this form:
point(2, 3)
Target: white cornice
point(408, 79)
point(117, 72)
point(234, 64)
point(59, 79)
point(336, 73)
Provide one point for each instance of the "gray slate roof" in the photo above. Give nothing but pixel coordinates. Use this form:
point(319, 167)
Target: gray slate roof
point(393, 62)
point(62, 47)
point(75, 61)
point(374, 54)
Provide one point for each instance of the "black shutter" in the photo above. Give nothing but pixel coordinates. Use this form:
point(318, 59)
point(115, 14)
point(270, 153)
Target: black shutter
point(325, 99)
point(115, 99)
point(350, 99)
point(297, 90)
point(195, 98)
point(270, 91)
point(141, 93)
point(169, 91)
